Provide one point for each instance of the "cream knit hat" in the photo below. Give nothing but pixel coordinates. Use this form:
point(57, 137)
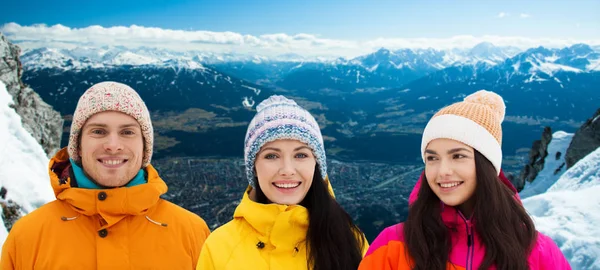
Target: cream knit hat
point(476, 122)
point(111, 96)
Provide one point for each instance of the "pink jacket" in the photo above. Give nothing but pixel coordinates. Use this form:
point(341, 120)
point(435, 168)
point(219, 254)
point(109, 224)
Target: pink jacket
point(467, 252)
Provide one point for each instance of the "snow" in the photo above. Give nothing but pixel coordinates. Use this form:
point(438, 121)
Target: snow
point(516, 66)
point(85, 56)
point(552, 58)
point(23, 166)
point(534, 78)
point(256, 91)
point(549, 68)
point(571, 219)
point(569, 212)
point(595, 118)
point(584, 174)
point(129, 58)
point(594, 65)
point(248, 102)
point(546, 178)
point(371, 69)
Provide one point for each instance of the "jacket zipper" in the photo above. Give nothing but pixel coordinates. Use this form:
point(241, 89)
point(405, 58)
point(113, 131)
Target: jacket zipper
point(470, 244)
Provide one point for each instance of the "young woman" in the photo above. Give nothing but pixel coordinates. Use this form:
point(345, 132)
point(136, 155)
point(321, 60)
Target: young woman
point(464, 214)
point(288, 217)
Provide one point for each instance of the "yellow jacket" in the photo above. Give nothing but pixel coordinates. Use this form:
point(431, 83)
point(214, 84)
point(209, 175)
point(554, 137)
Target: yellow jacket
point(120, 228)
point(260, 236)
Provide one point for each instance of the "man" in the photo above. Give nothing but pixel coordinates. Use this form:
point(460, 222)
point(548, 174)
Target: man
point(108, 213)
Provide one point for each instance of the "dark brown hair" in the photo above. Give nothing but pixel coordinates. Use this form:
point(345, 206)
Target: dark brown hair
point(333, 241)
point(504, 227)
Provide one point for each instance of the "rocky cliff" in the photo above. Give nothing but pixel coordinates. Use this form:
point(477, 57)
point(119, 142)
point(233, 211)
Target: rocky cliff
point(585, 141)
point(537, 155)
point(40, 119)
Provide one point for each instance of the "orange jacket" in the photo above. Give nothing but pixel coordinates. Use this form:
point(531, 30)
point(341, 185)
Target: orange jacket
point(120, 228)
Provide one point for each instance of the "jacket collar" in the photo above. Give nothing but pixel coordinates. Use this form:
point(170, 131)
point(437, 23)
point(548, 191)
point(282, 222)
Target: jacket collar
point(118, 203)
point(279, 225)
point(450, 215)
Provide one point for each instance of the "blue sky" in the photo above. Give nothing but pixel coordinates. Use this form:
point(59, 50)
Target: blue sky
point(338, 19)
point(317, 28)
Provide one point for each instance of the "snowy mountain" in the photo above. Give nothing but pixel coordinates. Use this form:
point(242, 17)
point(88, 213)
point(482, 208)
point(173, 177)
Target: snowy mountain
point(23, 173)
point(387, 68)
point(532, 81)
point(99, 57)
point(554, 165)
point(490, 54)
point(431, 59)
point(569, 212)
point(542, 64)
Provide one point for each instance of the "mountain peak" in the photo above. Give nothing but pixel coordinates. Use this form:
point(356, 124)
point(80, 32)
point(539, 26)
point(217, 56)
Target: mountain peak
point(578, 49)
point(383, 51)
point(484, 45)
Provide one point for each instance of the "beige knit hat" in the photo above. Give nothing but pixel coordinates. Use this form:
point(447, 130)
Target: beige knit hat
point(476, 122)
point(111, 96)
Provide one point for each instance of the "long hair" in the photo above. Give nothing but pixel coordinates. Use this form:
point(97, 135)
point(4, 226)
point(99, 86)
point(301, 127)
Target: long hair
point(506, 230)
point(333, 241)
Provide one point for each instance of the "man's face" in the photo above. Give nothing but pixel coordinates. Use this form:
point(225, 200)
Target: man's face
point(111, 148)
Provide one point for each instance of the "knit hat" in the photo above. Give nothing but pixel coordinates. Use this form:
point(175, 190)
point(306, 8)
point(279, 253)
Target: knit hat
point(111, 96)
point(476, 122)
point(280, 118)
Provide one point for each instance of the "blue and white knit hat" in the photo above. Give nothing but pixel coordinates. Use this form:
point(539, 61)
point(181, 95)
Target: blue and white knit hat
point(280, 118)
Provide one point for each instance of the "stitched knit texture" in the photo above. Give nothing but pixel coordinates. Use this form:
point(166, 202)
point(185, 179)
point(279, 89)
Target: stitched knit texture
point(475, 121)
point(280, 118)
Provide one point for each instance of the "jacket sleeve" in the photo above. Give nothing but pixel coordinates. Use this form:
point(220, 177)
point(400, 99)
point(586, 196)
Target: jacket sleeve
point(551, 257)
point(202, 233)
point(385, 252)
point(205, 262)
point(365, 247)
point(7, 261)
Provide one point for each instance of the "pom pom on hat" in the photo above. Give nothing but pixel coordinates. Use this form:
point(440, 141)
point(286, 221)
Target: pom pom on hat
point(490, 99)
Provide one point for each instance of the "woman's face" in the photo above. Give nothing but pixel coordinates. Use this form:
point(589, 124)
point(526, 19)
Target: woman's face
point(285, 170)
point(450, 172)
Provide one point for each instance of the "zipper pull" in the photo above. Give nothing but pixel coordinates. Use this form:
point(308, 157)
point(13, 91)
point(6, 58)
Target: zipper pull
point(469, 240)
point(295, 251)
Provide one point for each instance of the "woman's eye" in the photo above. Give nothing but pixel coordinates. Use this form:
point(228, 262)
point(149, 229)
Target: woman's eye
point(431, 158)
point(270, 156)
point(301, 155)
point(458, 156)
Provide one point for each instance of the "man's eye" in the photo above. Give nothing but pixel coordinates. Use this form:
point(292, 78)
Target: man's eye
point(270, 156)
point(128, 132)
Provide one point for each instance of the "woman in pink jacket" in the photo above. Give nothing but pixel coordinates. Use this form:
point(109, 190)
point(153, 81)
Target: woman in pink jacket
point(464, 214)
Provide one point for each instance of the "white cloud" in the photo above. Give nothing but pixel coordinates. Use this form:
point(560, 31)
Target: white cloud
point(59, 36)
point(502, 15)
point(525, 15)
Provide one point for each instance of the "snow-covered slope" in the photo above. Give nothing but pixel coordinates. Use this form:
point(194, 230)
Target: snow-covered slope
point(23, 163)
point(553, 167)
point(569, 212)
